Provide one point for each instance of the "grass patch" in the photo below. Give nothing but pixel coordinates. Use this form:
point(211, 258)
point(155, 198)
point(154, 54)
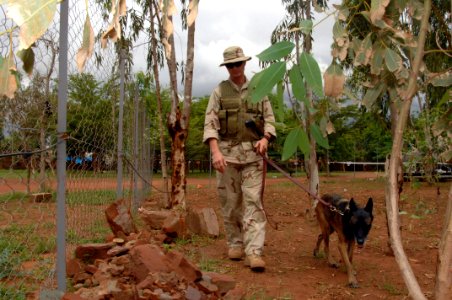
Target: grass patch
point(194, 240)
point(95, 197)
point(11, 292)
point(391, 289)
point(9, 264)
point(13, 174)
point(13, 196)
point(258, 294)
point(22, 243)
point(209, 265)
point(95, 232)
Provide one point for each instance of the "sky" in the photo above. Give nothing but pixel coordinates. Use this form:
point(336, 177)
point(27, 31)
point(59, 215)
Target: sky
point(245, 23)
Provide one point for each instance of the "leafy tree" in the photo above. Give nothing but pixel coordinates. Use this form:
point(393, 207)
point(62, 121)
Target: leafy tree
point(91, 119)
point(302, 74)
point(195, 149)
point(357, 132)
point(24, 115)
point(387, 40)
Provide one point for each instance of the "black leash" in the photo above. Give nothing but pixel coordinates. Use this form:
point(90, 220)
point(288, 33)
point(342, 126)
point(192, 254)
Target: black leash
point(274, 165)
point(251, 124)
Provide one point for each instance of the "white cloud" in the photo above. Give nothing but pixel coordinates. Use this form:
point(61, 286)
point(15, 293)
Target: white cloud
point(249, 24)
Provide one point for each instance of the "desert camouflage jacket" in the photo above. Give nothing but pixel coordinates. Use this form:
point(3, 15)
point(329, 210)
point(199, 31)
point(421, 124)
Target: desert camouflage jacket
point(234, 150)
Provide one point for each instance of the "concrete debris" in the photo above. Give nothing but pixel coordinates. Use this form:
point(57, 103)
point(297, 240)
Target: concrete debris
point(135, 266)
point(120, 219)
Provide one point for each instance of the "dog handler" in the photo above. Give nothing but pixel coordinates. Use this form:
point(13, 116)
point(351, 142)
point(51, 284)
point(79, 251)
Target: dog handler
point(236, 155)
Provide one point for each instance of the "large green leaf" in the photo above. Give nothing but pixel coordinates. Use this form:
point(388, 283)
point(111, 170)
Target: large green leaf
point(311, 72)
point(318, 137)
point(393, 60)
point(372, 95)
point(252, 85)
point(377, 61)
point(268, 79)
point(338, 30)
point(306, 26)
point(276, 51)
point(33, 18)
point(298, 86)
point(279, 111)
point(296, 138)
point(442, 80)
point(296, 80)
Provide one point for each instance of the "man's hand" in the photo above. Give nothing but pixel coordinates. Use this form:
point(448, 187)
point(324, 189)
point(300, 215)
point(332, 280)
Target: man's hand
point(261, 146)
point(218, 161)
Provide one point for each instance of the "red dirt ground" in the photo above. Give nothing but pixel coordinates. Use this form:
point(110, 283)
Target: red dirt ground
point(293, 273)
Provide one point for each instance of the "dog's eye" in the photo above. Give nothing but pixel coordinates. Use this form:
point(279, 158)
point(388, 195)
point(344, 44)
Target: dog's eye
point(353, 220)
point(368, 221)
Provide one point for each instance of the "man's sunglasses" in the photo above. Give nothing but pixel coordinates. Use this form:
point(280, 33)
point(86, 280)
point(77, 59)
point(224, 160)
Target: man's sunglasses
point(234, 65)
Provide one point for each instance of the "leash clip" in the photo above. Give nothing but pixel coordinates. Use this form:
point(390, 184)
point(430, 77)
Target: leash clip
point(334, 209)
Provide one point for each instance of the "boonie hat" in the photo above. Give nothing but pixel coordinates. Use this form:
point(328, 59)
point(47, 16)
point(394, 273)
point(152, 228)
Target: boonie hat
point(233, 54)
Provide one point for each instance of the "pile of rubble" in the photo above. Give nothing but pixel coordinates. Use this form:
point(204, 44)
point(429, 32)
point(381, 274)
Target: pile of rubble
point(134, 265)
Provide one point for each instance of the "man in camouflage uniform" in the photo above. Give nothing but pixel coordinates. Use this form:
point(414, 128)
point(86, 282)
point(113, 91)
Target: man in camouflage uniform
point(236, 155)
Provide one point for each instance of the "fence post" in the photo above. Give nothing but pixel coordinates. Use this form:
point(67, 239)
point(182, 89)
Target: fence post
point(61, 147)
point(136, 195)
point(119, 192)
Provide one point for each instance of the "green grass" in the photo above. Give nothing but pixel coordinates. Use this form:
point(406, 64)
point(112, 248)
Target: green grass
point(11, 292)
point(12, 174)
point(9, 263)
point(95, 233)
point(391, 289)
point(95, 197)
point(21, 174)
point(209, 265)
point(13, 196)
point(24, 241)
point(260, 294)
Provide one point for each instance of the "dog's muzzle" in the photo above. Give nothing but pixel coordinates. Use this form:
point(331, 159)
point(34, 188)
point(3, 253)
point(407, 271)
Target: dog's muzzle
point(360, 243)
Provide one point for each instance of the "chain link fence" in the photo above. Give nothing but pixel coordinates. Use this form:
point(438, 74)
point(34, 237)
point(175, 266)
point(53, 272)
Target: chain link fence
point(28, 140)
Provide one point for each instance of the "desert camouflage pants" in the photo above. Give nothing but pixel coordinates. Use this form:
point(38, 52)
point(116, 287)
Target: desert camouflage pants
point(239, 191)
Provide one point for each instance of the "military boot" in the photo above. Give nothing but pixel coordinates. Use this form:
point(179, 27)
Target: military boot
point(255, 262)
point(235, 253)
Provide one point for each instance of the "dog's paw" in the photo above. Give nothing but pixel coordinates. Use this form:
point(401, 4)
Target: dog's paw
point(353, 284)
point(333, 264)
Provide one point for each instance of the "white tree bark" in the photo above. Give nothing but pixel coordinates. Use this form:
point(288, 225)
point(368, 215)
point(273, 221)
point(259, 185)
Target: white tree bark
point(443, 288)
point(392, 191)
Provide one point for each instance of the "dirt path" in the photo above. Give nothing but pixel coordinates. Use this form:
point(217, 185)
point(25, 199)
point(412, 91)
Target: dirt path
point(292, 272)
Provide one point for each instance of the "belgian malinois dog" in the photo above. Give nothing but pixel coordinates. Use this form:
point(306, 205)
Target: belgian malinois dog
point(351, 223)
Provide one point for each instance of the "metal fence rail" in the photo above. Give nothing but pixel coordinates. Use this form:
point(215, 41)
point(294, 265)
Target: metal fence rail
point(28, 152)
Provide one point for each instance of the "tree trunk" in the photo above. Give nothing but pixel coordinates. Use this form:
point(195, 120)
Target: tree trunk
point(42, 157)
point(392, 191)
point(313, 165)
point(178, 121)
point(443, 287)
point(165, 203)
point(44, 120)
point(178, 178)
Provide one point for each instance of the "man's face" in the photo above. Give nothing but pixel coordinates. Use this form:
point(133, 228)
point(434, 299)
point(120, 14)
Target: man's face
point(236, 69)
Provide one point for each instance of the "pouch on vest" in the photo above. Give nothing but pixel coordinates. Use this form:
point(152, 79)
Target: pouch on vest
point(229, 120)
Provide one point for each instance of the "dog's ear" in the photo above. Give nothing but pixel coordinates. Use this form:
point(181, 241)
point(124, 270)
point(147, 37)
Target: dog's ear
point(352, 205)
point(369, 206)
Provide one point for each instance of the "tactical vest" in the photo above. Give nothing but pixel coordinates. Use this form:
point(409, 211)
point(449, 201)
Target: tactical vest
point(234, 113)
